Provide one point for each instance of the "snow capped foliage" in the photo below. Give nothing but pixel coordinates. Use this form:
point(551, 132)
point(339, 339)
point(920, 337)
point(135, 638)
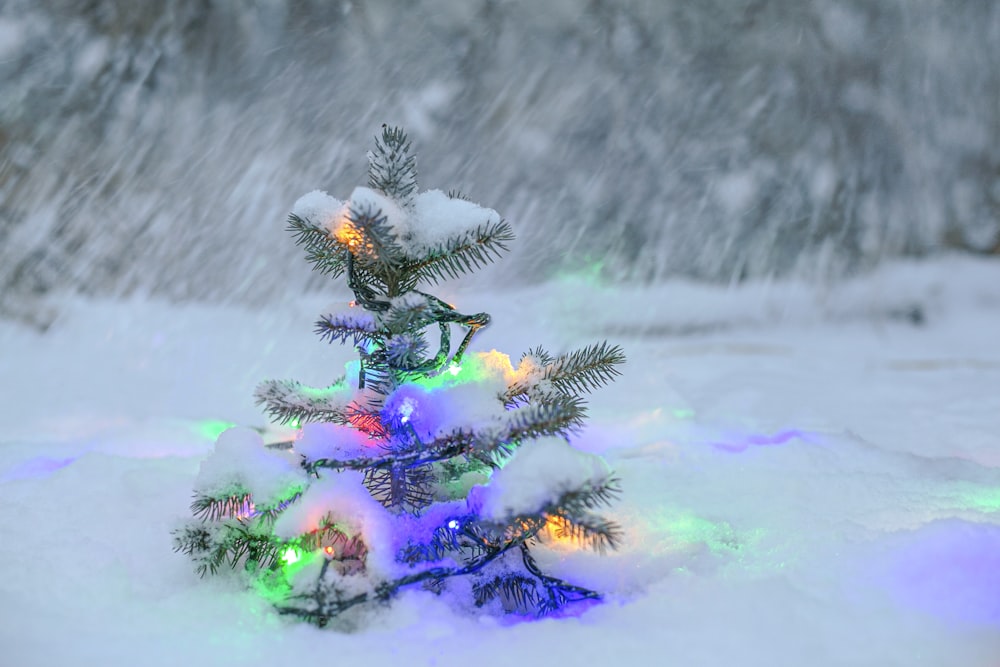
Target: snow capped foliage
point(342, 501)
point(537, 476)
point(388, 452)
point(336, 441)
point(319, 208)
point(241, 464)
point(438, 217)
point(430, 222)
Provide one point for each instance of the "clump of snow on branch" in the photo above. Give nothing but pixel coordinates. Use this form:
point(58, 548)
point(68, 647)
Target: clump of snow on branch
point(318, 208)
point(366, 200)
point(332, 441)
point(434, 219)
point(433, 413)
point(540, 472)
point(465, 397)
point(242, 464)
point(437, 217)
point(343, 500)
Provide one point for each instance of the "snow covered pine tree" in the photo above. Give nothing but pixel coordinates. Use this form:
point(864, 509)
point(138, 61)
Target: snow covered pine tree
point(412, 469)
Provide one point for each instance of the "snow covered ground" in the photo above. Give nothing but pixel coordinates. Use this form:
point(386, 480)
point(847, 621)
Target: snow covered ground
point(812, 477)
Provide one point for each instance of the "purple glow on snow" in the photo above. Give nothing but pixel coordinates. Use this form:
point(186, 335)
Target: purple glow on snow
point(37, 467)
point(760, 440)
point(573, 609)
point(950, 569)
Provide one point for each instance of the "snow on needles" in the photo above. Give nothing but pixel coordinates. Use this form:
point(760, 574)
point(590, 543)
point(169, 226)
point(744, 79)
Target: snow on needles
point(318, 208)
point(242, 464)
point(332, 441)
point(540, 472)
point(433, 219)
point(437, 217)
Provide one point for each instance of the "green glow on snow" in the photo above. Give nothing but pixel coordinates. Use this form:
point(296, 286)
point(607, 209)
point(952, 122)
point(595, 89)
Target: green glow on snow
point(748, 551)
point(210, 429)
point(978, 498)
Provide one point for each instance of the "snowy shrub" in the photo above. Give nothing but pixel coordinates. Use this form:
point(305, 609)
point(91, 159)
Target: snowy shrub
point(418, 465)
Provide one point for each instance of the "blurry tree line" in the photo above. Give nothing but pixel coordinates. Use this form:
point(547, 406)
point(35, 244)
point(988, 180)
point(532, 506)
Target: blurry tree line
point(156, 146)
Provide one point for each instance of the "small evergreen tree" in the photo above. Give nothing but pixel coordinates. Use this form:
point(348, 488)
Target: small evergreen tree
point(418, 466)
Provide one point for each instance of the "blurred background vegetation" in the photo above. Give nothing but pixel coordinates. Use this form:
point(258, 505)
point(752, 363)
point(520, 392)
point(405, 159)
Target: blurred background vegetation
point(154, 147)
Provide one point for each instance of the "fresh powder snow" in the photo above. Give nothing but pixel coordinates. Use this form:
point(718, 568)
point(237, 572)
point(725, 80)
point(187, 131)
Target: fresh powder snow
point(810, 476)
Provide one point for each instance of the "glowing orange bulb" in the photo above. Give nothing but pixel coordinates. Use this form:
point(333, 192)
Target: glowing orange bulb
point(328, 549)
point(556, 531)
point(349, 235)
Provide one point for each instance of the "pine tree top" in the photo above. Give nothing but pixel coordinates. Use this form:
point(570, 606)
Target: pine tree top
point(394, 237)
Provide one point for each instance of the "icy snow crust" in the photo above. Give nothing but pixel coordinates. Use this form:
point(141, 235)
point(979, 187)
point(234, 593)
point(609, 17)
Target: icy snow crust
point(810, 478)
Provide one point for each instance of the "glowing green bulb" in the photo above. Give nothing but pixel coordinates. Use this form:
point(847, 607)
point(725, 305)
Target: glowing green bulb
point(455, 369)
point(290, 556)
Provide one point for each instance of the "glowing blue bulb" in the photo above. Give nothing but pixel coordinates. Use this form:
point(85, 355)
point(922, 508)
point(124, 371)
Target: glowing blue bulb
point(453, 524)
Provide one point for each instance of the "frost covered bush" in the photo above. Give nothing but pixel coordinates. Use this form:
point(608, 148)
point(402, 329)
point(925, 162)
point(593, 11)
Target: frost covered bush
point(418, 466)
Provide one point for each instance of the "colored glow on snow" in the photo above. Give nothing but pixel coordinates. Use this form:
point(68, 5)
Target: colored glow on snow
point(590, 273)
point(210, 429)
point(475, 368)
point(949, 569)
point(690, 529)
point(980, 499)
point(683, 413)
point(675, 532)
point(37, 467)
point(760, 440)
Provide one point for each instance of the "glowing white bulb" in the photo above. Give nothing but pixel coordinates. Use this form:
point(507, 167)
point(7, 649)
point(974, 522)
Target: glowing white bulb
point(406, 409)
